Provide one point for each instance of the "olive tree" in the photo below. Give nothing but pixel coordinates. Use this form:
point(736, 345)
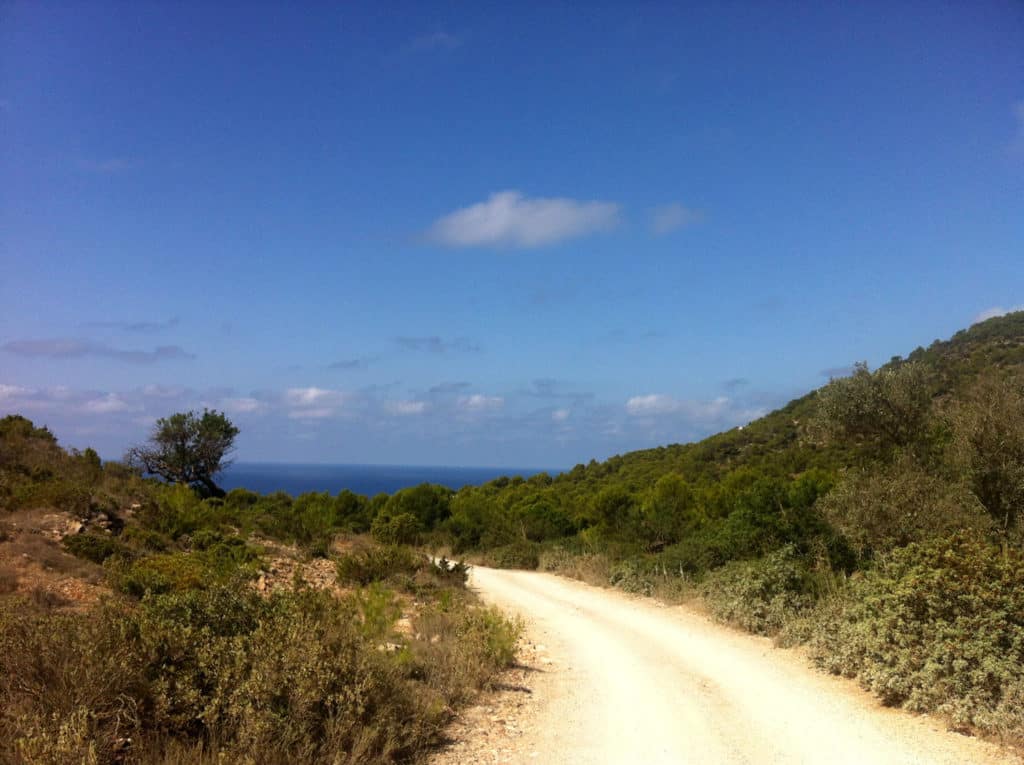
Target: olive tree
point(883, 410)
point(188, 448)
point(988, 445)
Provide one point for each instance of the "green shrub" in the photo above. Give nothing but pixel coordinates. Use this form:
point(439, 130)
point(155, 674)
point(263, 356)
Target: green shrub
point(146, 539)
point(161, 573)
point(762, 595)
point(398, 529)
point(377, 564)
point(936, 626)
point(521, 554)
point(632, 575)
point(227, 675)
point(892, 507)
point(92, 547)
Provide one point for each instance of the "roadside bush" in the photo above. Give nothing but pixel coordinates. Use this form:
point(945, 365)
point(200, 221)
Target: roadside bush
point(457, 648)
point(521, 554)
point(760, 596)
point(936, 626)
point(377, 564)
point(278, 679)
point(632, 575)
point(877, 511)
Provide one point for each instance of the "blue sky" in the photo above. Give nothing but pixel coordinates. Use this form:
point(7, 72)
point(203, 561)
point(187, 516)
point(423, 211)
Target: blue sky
point(491, 234)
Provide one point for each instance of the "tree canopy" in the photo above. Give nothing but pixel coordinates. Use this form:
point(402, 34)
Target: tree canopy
point(188, 448)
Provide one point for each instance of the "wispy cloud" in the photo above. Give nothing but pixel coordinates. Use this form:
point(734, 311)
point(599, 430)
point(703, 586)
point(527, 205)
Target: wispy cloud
point(560, 415)
point(313, 403)
point(71, 348)
point(106, 404)
point(434, 41)
point(406, 408)
point(435, 344)
point(509, 219)
point(449, 387)
point(670, 217)
point(241, 405)
point(349, 364)
point(670, 417)
point(105, 166)
point(549, 388)
point(136, 326)
point(995, 311)
point(735, 383)
point(478, 402)
point(654, 404)
point(13, 391)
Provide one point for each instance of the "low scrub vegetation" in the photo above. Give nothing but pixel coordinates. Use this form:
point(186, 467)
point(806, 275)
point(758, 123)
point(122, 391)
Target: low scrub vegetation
point(877, 519)
point(935, 626)
point(230, 675)
point(188, 659)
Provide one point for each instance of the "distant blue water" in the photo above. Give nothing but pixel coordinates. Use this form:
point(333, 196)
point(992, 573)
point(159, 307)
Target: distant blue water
point(295, 479)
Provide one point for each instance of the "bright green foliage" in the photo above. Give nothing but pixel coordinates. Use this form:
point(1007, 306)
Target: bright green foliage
point(668, 512)
point(428, 503)
point(937, 626)
point(400, 529)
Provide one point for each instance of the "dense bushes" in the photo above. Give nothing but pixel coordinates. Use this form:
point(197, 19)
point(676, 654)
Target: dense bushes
point(226, 675)
point(760, 595)
point(375, 564)
point(935, 626)
point(94, 547)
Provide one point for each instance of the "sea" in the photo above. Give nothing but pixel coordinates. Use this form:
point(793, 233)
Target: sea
point(295, 479)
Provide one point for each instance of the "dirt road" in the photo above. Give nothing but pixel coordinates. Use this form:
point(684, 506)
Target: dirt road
point(627, 680)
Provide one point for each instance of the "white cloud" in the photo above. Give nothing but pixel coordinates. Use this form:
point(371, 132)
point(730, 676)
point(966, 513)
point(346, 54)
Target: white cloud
point(480, 403)
point(313, 403)
point(163, 391)
point(106, 404)
point(308, 396)
point(996, 310)
point(560, 415)
point(672, 216)
point(242, 405)
point(12, 391)
point(406, 408)
point(508, 219)
point(653, 403)
point(660, 404)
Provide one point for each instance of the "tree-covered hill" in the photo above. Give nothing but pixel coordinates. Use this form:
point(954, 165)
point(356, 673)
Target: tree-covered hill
point(775, 443)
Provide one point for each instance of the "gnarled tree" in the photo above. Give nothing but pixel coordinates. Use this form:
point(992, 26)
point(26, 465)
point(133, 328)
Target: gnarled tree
point(188, 448)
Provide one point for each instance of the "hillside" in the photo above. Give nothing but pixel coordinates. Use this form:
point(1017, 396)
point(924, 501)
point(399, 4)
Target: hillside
point(875, 520)
point(774, 442)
